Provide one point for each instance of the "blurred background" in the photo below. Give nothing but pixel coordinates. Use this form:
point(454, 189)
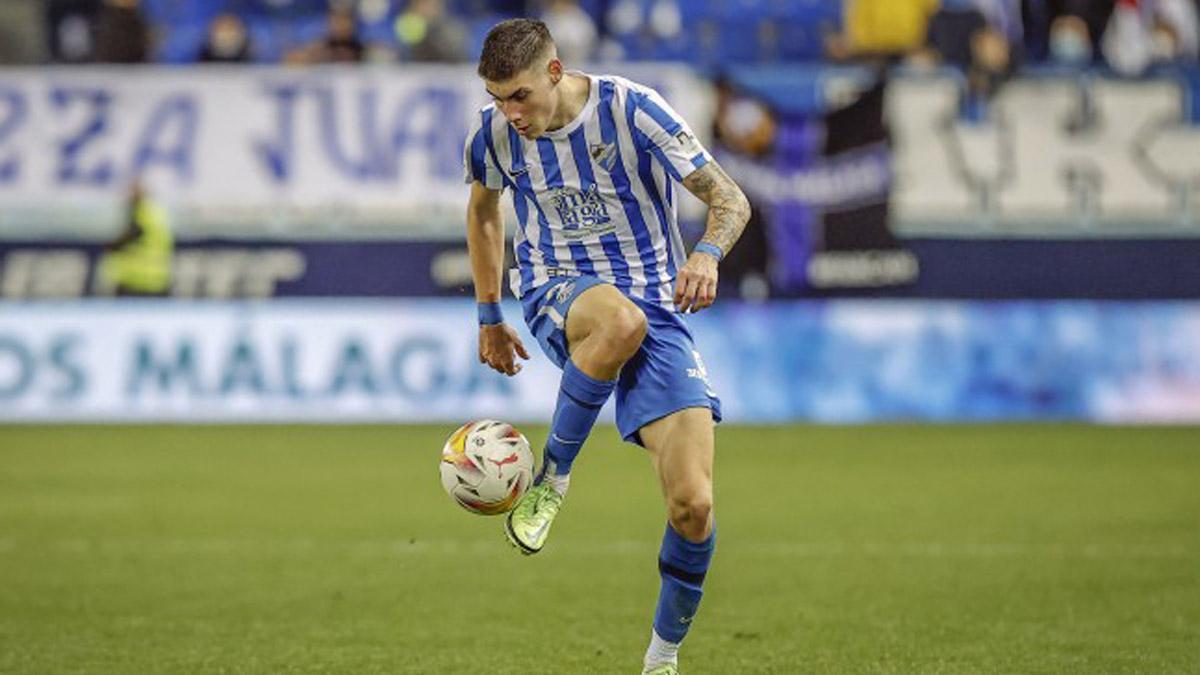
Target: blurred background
point(253, 209)
point(958, 346)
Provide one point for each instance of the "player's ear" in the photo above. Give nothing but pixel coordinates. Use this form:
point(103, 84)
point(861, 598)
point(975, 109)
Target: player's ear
point(555, 68)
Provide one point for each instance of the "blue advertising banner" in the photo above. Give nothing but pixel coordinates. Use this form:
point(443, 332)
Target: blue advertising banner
point(339, 361)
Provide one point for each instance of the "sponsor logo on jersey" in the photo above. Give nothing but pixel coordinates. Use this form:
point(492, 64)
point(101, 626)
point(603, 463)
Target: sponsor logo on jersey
point(581, 213)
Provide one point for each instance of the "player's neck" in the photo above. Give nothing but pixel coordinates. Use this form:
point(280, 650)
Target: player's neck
point(573, 94)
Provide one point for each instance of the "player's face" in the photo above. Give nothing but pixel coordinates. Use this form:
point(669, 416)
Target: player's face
point(529, 99)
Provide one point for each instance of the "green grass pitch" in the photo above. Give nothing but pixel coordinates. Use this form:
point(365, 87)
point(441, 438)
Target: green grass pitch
point(888, 549)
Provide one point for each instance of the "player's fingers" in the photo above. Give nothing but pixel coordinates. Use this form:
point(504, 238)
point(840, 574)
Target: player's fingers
point(521, 350)
point(710, 293)
point(683, 291)
point(680, 285)
point(495, 360)
point(692, 295)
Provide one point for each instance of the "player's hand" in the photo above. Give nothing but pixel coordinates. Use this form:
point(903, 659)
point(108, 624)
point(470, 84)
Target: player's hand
point(696, 283)
point(499, 346)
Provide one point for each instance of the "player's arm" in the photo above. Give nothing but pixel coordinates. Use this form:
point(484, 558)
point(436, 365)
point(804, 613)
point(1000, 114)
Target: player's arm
point(499, 344)
point(728, 212)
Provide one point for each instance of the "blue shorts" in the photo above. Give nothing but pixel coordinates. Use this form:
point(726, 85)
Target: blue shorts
point(665, 376)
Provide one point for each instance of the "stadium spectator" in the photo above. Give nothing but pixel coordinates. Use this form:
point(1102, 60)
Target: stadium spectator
point(991, 62)
point(1071, 42)
point(70, 30)
point(341, 43)
point(962, 35)
point(431, 34)
point(952, 31)
point(1178, 26)
point(122, 33)
point(227, 41)
point(1142, 33)
point(20, 32)
point(881, 28)
point(1048, 20)
point(138, 262)
point(574, 30)
point(744, 125)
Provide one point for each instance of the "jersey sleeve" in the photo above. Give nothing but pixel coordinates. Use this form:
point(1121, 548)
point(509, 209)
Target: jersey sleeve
point(479, 163)
point(671, 141)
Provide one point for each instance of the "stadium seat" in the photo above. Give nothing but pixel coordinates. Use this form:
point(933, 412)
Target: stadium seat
point(182, 41)
point(265, 39)
point(739, 41)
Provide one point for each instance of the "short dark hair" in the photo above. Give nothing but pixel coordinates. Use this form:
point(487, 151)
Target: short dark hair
point(512, 46)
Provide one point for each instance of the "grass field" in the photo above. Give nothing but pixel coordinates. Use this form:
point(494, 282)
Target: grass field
point(1014, 549)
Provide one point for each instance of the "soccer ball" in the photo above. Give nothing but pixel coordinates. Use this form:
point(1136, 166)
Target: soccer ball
point(486, 466)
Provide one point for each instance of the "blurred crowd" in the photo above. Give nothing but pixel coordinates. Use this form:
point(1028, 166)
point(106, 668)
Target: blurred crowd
point(986, 38)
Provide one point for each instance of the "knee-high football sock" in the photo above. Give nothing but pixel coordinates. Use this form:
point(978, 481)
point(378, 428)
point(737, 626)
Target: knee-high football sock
point(682, 565)
point(580, 398)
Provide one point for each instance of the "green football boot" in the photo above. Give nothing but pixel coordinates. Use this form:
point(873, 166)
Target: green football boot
point(528, 524)
point(662, 669)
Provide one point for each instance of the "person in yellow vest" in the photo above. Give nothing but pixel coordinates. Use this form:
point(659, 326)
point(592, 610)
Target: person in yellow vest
point(139, 261)
point(882, 28)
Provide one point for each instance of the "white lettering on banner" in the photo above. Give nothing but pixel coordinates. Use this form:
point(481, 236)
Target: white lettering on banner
point(845, 361)
point(344, 152)
point(1056, 155)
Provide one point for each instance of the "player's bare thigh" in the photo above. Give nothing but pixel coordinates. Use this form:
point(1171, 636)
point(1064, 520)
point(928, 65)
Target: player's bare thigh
point(681, 449)
point(604, 330)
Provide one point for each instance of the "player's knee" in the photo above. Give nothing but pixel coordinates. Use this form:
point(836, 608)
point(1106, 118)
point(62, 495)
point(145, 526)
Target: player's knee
point(624, 330)
point(690, 514)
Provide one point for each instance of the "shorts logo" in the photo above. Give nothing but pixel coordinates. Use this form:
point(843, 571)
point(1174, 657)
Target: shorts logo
point(581, 213)
point(700, 373)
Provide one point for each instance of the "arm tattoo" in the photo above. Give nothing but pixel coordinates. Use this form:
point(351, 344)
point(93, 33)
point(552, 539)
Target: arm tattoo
point(728, 208)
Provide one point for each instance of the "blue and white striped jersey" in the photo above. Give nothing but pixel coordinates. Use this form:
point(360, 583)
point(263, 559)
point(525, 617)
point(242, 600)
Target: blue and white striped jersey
point(596, 196)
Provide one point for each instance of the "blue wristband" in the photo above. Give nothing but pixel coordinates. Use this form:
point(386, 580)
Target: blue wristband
point(490, 314)
point(711, 249)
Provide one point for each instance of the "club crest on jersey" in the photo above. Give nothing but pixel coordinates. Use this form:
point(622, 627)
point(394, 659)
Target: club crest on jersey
point(604, 154)
point(582, 213)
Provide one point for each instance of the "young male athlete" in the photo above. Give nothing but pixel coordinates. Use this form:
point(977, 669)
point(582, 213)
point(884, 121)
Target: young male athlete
point(603, 279)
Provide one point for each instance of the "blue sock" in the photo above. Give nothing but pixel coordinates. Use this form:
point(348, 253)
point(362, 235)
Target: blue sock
point(580, 398)
point(682, 565)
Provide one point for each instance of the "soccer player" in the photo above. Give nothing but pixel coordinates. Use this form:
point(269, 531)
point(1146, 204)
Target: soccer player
point(591, 163)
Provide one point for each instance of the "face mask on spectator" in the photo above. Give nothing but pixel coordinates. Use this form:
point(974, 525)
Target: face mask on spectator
point(1070, 48)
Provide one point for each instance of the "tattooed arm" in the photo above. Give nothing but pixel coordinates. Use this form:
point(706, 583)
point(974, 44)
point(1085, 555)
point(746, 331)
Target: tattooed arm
point(728, 211)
